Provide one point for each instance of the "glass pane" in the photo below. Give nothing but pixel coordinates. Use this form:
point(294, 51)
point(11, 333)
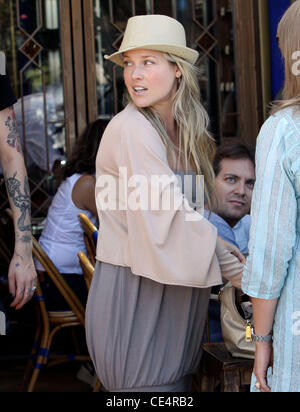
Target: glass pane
point(229, 115)
point(121, 12)
point(30, 15)
point(164, 7)
point(32, 48)
point(110, 19)
point(143, 7)
point(108, 36)
point(199, 19)
point(209, 28)
point(208, 25)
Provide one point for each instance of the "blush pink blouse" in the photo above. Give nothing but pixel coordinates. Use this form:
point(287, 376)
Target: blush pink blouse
point(175, 246)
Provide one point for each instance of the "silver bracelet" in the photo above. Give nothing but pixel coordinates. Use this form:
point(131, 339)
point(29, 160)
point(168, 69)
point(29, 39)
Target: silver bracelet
point(257, 338)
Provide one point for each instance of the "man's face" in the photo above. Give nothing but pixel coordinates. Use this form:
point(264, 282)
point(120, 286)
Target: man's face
point(234, 186)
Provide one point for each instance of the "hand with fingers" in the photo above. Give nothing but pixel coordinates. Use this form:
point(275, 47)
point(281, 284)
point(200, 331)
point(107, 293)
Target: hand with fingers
point(22, 280)
point(232, 249)
point(263, 360)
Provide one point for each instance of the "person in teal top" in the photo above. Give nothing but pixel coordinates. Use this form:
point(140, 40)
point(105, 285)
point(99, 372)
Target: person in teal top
point(272, 272)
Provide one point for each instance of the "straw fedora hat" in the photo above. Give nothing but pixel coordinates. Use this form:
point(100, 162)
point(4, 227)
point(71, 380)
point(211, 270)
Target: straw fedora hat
point(155, 32)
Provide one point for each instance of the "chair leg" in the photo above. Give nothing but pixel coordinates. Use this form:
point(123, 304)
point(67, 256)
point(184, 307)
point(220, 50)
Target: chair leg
point(29, 366)
point(33, 354)
point(44, 353)
point(40, 362)
point(97, 386)
point(33, 379)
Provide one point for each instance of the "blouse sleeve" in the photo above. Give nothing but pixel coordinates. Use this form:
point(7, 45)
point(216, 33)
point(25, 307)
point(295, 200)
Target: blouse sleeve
point(171, 244)
point(273, 211)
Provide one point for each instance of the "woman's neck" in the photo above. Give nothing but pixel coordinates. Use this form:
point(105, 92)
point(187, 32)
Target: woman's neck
point(172, 131)
point(166, 115)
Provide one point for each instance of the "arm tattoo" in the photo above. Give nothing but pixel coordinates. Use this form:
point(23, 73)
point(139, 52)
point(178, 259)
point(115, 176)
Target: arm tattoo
point(13, 139)
point(22, 202)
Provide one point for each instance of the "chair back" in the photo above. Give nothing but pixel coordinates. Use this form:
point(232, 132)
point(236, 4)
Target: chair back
point(90, 236)
point(61, 285)
point(87, 268)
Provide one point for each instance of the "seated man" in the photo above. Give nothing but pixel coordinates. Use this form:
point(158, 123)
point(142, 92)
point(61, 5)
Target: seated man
point(234, 167)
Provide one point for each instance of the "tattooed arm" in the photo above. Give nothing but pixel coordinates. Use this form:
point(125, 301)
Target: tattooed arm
point(22, 274)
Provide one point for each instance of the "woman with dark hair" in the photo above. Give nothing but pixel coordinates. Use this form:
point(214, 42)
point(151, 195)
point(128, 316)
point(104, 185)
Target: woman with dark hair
point(62, 236)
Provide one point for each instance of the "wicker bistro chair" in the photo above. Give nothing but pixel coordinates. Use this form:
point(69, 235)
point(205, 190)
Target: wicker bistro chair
point(90, 236)
point(50, 322)
point(87, 268)
point(53, 321)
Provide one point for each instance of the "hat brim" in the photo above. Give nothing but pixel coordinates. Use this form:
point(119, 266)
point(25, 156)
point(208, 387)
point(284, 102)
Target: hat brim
point(185, 53)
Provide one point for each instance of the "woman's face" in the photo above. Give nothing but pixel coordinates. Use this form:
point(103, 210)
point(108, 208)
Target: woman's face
point(150, 78)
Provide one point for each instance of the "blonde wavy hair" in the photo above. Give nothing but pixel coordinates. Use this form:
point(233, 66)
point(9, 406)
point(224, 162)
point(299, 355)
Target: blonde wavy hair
point(196, 145)
point(289, 42)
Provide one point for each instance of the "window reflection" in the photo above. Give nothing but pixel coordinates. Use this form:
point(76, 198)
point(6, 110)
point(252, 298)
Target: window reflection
point(32, 47)
point(108, 37)
point(209, 29)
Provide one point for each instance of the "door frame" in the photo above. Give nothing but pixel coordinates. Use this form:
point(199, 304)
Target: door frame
point(79, 69)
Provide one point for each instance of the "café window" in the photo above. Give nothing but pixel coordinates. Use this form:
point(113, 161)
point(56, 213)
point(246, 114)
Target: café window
point(209, 27)
point(32, 47)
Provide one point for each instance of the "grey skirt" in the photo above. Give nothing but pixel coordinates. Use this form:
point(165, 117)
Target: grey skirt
point(144, 336)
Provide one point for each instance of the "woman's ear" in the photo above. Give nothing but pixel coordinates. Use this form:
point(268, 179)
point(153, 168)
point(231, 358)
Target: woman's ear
point(178, 73)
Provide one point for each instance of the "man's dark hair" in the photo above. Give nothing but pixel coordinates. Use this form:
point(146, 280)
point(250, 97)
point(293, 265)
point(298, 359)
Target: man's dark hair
point(233, 151)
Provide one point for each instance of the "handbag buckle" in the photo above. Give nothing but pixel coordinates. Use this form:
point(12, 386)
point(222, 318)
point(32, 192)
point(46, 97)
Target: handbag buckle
point(249, 332)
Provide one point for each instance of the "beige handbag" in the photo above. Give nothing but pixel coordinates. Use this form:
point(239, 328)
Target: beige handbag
point(236, 330)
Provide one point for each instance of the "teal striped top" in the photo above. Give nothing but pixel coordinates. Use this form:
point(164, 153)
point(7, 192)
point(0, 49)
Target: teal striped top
point(273, 266)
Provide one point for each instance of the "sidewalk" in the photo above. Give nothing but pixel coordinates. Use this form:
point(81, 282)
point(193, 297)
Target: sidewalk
point(55, 379)
point(14, 351)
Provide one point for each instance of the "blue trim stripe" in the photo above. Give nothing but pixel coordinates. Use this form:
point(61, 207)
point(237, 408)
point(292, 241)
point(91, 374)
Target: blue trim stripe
point(39, 298)
point(95, 237)
point(44, 352)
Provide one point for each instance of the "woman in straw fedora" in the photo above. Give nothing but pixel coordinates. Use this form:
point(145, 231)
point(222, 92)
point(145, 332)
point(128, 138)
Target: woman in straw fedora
point(155, 266)
point(271, 276)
